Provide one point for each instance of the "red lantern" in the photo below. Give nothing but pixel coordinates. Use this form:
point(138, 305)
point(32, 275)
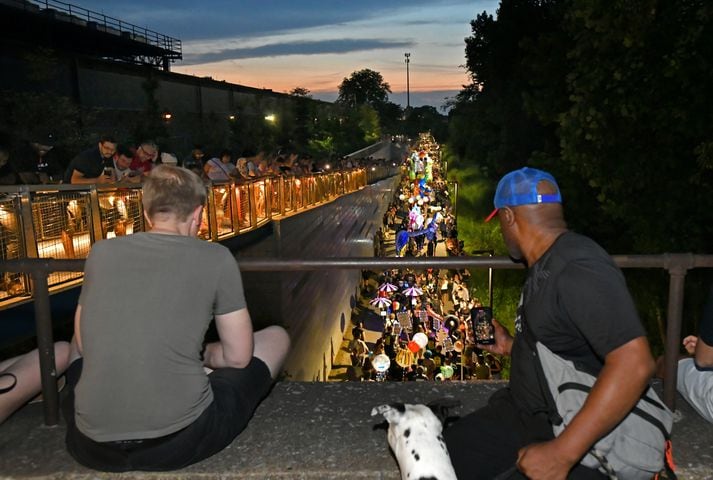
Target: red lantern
point(395, 306)
point(413, 346)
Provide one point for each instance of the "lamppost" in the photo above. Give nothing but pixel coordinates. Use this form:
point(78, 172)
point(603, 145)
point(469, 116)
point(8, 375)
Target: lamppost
point(408, 93)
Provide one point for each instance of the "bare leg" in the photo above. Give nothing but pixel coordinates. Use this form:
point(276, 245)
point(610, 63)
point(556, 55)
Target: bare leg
point(271, 346)
point(26, 369)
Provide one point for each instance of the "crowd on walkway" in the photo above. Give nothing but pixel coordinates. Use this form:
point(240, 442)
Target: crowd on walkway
point(42, 161)
point(425, 325)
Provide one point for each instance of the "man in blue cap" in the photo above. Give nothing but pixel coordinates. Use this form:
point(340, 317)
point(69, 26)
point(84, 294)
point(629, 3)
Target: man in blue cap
point(575, 301)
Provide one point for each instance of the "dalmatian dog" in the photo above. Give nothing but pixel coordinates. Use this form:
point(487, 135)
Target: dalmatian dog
point(415, 436)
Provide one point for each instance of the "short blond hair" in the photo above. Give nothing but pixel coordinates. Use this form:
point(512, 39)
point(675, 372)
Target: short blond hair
point(171, 190)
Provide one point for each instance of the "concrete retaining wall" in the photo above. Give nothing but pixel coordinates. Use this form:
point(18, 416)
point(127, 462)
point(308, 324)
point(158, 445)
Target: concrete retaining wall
point(316, 306)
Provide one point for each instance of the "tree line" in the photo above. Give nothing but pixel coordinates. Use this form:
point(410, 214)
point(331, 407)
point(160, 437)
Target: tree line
point(614, 98)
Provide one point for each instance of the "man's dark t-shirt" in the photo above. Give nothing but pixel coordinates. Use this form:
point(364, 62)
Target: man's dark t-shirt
point(576, 302)
point(89, 163)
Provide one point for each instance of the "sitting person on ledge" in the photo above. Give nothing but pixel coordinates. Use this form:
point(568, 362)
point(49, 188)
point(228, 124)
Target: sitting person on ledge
point(695, 374)
point(20, 379)
point(138, 397)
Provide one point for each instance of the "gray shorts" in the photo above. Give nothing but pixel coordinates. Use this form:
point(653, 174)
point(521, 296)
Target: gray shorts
point(696, 386)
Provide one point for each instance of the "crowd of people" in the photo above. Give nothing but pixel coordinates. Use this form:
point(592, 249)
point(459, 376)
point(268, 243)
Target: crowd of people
point(434, 307)
point(162, 398)
point(435, 303)
point(42, 161)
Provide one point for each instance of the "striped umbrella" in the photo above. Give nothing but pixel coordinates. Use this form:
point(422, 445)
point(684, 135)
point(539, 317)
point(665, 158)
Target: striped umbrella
point(413, 292)
point(388, 287)
point(381, 302)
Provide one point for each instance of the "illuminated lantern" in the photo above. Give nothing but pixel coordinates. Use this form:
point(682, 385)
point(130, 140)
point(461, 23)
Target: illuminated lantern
point(451, 323)
point(381, 363)
point(413, 346)
point(447, 371)
point(395, 306)
point(458, 346)
point(420, 339)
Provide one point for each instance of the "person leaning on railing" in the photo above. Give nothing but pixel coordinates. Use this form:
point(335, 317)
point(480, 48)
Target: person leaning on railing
point(89, 165)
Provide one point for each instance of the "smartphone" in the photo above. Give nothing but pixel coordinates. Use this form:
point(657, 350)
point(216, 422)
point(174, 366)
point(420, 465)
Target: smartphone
point(483, 328)
point(108, 171)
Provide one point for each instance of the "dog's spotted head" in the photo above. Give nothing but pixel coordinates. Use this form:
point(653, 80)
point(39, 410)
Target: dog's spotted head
point(416, 438)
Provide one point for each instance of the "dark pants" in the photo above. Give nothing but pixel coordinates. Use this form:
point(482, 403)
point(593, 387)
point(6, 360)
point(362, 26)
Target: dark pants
point(484, 444)
point(236, 394)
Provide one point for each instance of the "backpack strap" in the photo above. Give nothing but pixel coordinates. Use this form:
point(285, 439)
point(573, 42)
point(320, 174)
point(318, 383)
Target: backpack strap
point(529, 337)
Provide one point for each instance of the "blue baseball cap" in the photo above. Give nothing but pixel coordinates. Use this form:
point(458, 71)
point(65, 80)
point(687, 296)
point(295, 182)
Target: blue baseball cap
point(519, 187)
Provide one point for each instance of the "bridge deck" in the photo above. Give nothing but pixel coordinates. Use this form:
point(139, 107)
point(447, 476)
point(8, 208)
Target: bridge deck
point(306, 431)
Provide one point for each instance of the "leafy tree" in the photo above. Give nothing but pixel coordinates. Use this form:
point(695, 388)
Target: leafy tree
point(492, 105)
point(364, 87)
point(613, 99)
point(424, 119)
point(300, 92)
point(368, 121)
point(390, 117)
point(637, 129)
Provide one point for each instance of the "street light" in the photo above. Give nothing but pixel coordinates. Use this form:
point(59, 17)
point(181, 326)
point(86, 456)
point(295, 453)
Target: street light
point(270, 118)
point(408, 93)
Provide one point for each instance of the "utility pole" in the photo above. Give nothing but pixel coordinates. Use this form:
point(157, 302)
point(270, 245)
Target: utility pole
point(408, 92)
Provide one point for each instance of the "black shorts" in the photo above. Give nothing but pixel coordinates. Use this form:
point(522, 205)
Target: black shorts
point(236, 394)
point(484, 444)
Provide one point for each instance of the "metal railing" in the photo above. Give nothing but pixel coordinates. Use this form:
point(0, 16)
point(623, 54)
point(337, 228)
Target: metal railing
point(64, 221)
point(677, 266)
point(87, 18)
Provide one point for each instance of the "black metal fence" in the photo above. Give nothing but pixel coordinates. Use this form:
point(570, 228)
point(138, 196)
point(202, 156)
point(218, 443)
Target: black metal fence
point(677, 266)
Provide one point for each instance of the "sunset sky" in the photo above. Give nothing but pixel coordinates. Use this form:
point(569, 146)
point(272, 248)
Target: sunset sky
point(314, 44)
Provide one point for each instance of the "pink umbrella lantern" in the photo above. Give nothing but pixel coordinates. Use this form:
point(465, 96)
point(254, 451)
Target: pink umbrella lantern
point(388, 287)
point(382, 303)
point(413, 292)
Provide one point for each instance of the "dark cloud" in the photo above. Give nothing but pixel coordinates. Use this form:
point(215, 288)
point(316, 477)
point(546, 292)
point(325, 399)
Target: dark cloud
point(208, 19)
point(293, 48)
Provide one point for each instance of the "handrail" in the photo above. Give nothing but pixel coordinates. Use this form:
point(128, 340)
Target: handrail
point(63, 221)
point(77, 14)
point(676, 264)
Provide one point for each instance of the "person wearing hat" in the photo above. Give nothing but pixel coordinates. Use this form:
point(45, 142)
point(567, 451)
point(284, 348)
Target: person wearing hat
point(576, 302)
point(34, 161)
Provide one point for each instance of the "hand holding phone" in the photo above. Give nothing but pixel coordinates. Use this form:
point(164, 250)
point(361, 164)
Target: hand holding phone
point(483, 328)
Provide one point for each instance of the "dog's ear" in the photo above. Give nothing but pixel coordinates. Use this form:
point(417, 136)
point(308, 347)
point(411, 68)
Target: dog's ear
point(441, 407)
point(383, 409)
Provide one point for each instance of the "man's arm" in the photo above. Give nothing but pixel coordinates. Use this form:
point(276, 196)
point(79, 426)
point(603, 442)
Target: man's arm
point(78, 178)
point(626, 372)
point(235, 348)
point(704, 354)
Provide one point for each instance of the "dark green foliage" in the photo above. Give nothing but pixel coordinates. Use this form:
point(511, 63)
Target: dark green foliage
point(424, 119)
point(364, 87)
point(615, 99)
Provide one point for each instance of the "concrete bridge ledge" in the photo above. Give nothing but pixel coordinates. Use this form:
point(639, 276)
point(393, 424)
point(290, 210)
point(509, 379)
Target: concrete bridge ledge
point(305, 431)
